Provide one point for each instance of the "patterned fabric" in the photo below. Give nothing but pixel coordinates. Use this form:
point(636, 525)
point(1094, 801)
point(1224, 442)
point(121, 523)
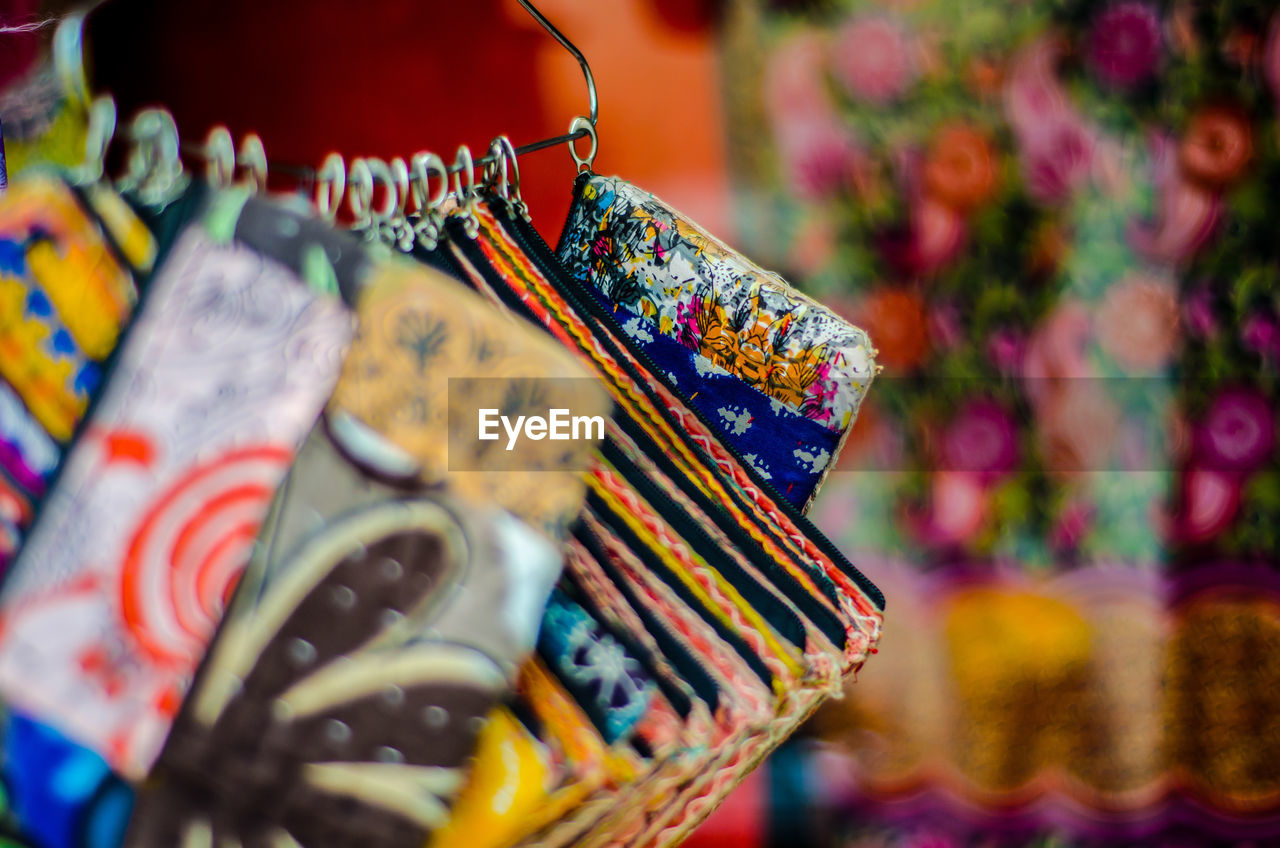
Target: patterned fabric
point(702, 463)
point(65, 296)
point(357, 488)
point(59, 794)
point(419, 333)
point(574, 762)
point(671, 281)
point(790, 451)
point(120, 586)
point(346, 689)
point(514, 774)
point(611, 682)
point(758, 663)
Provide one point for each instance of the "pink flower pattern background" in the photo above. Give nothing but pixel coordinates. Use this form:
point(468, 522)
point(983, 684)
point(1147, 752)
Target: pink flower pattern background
point(1056, 221)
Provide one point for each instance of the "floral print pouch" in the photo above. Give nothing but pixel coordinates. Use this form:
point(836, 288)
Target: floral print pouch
point(711, 320)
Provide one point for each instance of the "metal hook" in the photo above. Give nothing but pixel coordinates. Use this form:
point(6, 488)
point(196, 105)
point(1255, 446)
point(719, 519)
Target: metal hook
point(360, 196)
point(427, 226)
point(400, 177)
point(421, 166)
point(399, 231)
point(502, 173)
point(381, 172)
point(374, 223)
point(219, 157)
point(253, 158)
point(462, 161)
point(574, 51)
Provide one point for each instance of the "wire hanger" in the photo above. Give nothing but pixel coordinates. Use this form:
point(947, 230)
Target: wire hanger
point(576, 131)
point(580, 127)
point(252, 158)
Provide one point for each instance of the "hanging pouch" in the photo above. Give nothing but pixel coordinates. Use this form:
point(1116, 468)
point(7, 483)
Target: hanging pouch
point(113, 599)
point(532, 279)
point(409, 620)
point(779, 375)
point(67, 293)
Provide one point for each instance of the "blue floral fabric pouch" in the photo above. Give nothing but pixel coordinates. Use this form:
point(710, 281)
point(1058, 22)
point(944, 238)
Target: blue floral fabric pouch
point(780, 376)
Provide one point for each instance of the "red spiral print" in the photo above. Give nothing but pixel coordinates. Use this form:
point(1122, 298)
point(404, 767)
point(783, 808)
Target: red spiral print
point(189, 548)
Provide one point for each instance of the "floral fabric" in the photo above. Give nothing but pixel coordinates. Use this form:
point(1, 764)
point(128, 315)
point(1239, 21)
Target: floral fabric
point(594, 663)
point(676, 282)
point(790, 451)
point(1054, 220)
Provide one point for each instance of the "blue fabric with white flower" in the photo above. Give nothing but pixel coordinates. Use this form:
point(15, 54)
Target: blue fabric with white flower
point(596, 668)
point(783, 446)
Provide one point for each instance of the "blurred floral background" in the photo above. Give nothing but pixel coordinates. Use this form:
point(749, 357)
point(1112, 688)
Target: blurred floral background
point(1058, 220)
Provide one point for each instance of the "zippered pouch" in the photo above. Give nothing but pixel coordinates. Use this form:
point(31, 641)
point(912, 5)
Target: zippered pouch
point(67, 292)
point(515, 282)
point(646, 403)
point(780, 375)
point(119, 587)
point(343, 697)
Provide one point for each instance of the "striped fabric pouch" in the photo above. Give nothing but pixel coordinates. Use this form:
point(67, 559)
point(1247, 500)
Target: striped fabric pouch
point(695, 540)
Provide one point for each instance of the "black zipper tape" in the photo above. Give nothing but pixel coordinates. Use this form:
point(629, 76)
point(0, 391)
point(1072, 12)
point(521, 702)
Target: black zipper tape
point(653, 562)
point(676, 696)
point(821, 616)
point(783, 620)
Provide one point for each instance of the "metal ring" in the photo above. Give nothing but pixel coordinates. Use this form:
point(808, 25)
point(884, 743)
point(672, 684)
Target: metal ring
point(380, 171)
point(98, 135)
point(420, 167)
point(331, 184)
point(466, 208)
point(496, 174)
point(220, 157)
point(504, 152)
point(400, 176)
point(360, 196)
point(584, 163)
point(155, 166)
point(253, 158)
point(462, 161)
